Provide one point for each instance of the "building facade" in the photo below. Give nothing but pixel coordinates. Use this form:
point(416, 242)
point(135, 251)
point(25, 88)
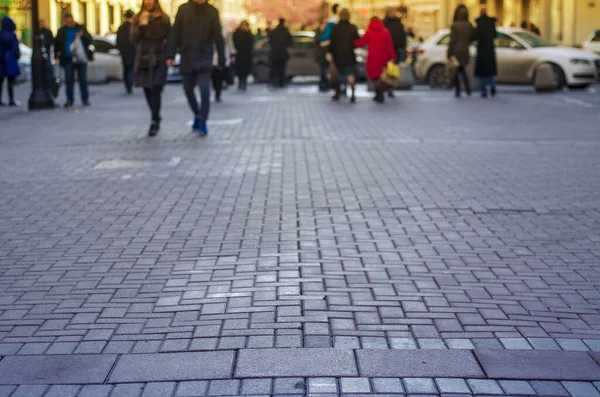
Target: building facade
point(566, 22)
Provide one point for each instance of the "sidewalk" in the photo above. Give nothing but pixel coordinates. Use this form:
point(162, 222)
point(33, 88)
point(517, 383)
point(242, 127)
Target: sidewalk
point(428, 246)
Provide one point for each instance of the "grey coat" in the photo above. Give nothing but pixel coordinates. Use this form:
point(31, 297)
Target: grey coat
point(461, 35)
point(150, 58)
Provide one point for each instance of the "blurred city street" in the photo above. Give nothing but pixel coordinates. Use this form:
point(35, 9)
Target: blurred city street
point(427, 246)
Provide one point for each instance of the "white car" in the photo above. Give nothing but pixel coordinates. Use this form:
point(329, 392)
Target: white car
point(518, 54)
point(592, 43)
point(24, 63)
point(108, 56)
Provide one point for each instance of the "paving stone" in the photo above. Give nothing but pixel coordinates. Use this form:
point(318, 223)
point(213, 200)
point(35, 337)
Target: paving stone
point(62, 391)
point(6, 391)
point(549, 388)
point(464, 344)
point(224, 388)
point(418, 363)
point(290, 386)
point(515, 343)
point(420, 386)
point(484, 386)
point(581, 389)
point(355, 385)
point(403, 343)
point(388, 385)
point(55, 369)
point(159, 389)
point(452, 385)
point(544, 344)
point(540, 365)
point(30, 391)
point(295, 362)
point(173, 366)
point(95, 391)
point(192, 388)
point(128, 390)
point(322, 385)
point(572, 345)
point(516, 387)
point(256, 386)
point(593, 344)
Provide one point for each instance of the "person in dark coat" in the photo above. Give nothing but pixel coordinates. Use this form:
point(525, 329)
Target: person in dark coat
point(280, 40)
point(243, 41)
point(47, 43)
point(380, 50)
point(396, 28)
point(9, 58)
point(150, 34)
point(461, 35)
point(485, 63)
point(341, 47)
point(127, 50)
point(196, 33)
point(65, 37)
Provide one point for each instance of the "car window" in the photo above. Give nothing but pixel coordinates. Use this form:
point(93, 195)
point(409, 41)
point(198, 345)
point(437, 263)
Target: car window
point(532, 40)
point(444, 40)
point(596, 37)
point(102, 46)
point(504, 40)
point(303, 42)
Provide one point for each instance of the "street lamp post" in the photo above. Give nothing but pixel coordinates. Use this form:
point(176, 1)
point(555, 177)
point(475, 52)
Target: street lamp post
point(41, 97)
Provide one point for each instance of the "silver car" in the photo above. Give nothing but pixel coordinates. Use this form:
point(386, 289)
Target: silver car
point(519, 54)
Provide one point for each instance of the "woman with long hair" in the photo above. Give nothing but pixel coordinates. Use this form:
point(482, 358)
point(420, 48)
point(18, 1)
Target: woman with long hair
point(243, 40)
point(150, 33)
point(461, 35)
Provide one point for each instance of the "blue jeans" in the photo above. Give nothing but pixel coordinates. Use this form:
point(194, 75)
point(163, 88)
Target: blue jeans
point(128, 77)
point(81, 69)
point(483, 83)
point(201, 79)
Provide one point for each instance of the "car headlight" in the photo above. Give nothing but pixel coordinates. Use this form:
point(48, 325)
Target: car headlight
point(580, 62)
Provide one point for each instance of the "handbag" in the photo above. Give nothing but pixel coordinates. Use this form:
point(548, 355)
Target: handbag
point(78, 52)
point(452, 65)
point(393, 70)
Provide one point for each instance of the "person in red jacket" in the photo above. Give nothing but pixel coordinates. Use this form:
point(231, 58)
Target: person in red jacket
point(380, 50)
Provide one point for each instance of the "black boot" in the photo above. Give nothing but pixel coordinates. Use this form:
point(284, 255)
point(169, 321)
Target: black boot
point(154, 128)
point(493, 91)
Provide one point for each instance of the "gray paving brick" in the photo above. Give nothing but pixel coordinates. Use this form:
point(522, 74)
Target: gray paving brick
point(62, 391)
point(172, 366)
point(355, 385)
point(581, 389)
point(96, 391)
point(290, 386)
point(192, 388)
point(224, 388)
point(549, 388)
point(544, 344)
point(387, 385)
point(159, 389)
point(452, 385)
point(572, 345)
point(6, 391)
point(295, 362)
point(30, 391)
point(420, 386)
point(322, 385)
point(128, 390)
point(515, 387)
point(484, 386)
point(256, 386)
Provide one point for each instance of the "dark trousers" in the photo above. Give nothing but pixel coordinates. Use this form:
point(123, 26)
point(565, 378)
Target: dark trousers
point(190, 81)
point(217, 81)
point(128, 77)
point(11, 88)
point(242, 80)
point(70, 70)
point(461, 72)
point(154, 99)
point(323, 82)
point(278, 78)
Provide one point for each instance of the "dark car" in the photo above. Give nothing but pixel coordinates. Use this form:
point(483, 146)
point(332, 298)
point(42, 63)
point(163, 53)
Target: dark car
point(302, 59)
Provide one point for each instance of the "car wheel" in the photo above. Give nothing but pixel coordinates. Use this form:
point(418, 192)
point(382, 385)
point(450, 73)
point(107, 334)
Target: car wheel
point(558, 76)
point(578, 86)
point(437, 77)
point(262, 73)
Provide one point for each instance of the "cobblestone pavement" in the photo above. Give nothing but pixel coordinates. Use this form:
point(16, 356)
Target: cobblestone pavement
point(428, 246)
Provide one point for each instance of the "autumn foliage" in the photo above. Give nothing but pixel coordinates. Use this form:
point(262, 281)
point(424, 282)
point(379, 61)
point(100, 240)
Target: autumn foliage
point(299, 11)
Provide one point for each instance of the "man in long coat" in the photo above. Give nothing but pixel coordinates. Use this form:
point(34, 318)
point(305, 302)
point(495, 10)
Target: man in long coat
point(485, 63)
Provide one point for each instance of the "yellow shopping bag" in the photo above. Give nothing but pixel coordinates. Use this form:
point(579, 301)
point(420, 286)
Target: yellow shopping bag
point(393, 70)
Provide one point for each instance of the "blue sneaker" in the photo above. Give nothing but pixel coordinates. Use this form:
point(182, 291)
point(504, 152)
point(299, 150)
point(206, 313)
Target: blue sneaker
point(203, 128)
point(196, 125)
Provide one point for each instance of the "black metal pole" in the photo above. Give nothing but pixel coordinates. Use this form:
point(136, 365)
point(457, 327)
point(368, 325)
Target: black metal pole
point(41, 97)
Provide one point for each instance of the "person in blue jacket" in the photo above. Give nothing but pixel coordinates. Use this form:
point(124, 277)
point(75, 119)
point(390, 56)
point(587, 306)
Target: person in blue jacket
point(326, 35)
point(9, 58)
